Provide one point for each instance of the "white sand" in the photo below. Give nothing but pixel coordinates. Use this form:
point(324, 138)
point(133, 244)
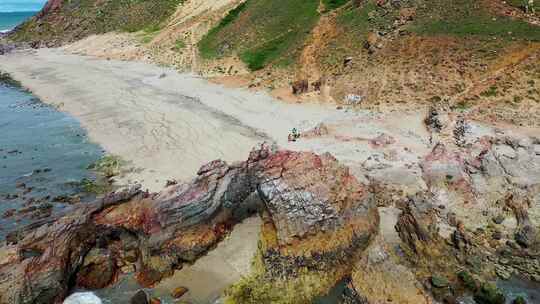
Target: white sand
point(167, 127)
point(223, 266)
point(169, 124)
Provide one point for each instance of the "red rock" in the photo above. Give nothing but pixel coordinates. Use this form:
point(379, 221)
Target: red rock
point(320, 215)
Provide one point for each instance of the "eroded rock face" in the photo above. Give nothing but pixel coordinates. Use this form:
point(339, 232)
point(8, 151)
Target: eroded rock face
point(308, 199)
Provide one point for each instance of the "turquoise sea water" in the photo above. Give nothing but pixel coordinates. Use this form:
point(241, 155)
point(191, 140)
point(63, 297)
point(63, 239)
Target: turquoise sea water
point(44, 154)
point(11, 19)
point(21, 5)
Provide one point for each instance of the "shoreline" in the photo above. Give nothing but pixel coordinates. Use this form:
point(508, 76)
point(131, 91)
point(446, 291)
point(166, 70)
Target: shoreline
point(146, 114)
point(168, 124)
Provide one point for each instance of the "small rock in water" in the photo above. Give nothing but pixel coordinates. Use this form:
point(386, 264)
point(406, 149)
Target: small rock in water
point(141, 297)
point(519, 300)
point(82, 298)
point(489, 294)
point(179, 292)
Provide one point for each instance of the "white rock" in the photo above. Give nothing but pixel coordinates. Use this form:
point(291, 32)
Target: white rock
point(82, 298)
point(536, 149)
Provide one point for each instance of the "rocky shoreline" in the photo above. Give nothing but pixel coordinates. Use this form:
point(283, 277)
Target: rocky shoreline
point(477, 220)
point(413, 208)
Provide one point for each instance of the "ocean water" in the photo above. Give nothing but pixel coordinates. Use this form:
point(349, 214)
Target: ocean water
point(44, 154)
point(8, 20)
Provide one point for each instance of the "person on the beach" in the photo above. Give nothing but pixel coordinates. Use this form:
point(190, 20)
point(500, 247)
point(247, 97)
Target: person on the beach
point(294, 135)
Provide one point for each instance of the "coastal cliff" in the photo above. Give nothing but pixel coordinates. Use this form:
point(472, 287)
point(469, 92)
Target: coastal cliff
point(479, 56)
point(318, 217)
point(415, 177)
point(320, 225)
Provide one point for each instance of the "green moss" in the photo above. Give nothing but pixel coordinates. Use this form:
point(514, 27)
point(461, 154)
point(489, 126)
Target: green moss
point(489, 294)
point(262, 32)
point(99, 186)
point(259, 57)
point(206, 46)
point(109, 165)
point(259, 287)
point(149, 33)
point(439, 281)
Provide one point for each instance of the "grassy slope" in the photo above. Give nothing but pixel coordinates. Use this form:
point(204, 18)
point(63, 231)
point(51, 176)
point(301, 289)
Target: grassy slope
point(451, 49)
point(263, 32)
point(78, 19)
point(468, 18)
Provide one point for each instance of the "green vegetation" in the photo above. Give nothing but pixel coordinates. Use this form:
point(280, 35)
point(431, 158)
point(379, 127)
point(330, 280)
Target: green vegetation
point(149, 33)
point(179, 45)
point(491, 92)
point(260, 287)
point(489, 294)
point(333, 4)
point(262, 32)
point(99, 186)
point(355, 24)
point(109, 165)
point(86, 17)
point(464, 18)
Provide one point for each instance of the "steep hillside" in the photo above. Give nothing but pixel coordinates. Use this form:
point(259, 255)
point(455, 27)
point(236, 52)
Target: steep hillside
point(479, 57)
point(66, 20)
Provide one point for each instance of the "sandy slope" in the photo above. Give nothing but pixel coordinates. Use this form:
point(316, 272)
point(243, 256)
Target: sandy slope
point(168, 124)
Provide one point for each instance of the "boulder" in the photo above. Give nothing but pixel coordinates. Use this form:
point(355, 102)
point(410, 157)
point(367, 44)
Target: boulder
point(489, 294)
point(97, 270)
point(318, 214)
point(140, 297)
point(179, 292)
point(300, 87)
point(519, 300)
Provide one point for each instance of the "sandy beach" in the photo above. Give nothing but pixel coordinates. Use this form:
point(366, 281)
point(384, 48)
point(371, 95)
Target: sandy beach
point(166, 124)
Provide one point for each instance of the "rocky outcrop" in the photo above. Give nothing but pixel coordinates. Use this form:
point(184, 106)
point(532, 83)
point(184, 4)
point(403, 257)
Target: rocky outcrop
point(317, 214)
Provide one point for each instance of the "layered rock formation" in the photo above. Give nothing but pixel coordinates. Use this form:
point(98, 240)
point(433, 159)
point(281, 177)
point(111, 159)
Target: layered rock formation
point(317, 213)
point(475, 217)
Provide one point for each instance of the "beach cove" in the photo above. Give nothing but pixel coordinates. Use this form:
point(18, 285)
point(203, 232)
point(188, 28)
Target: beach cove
point(166, 125)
